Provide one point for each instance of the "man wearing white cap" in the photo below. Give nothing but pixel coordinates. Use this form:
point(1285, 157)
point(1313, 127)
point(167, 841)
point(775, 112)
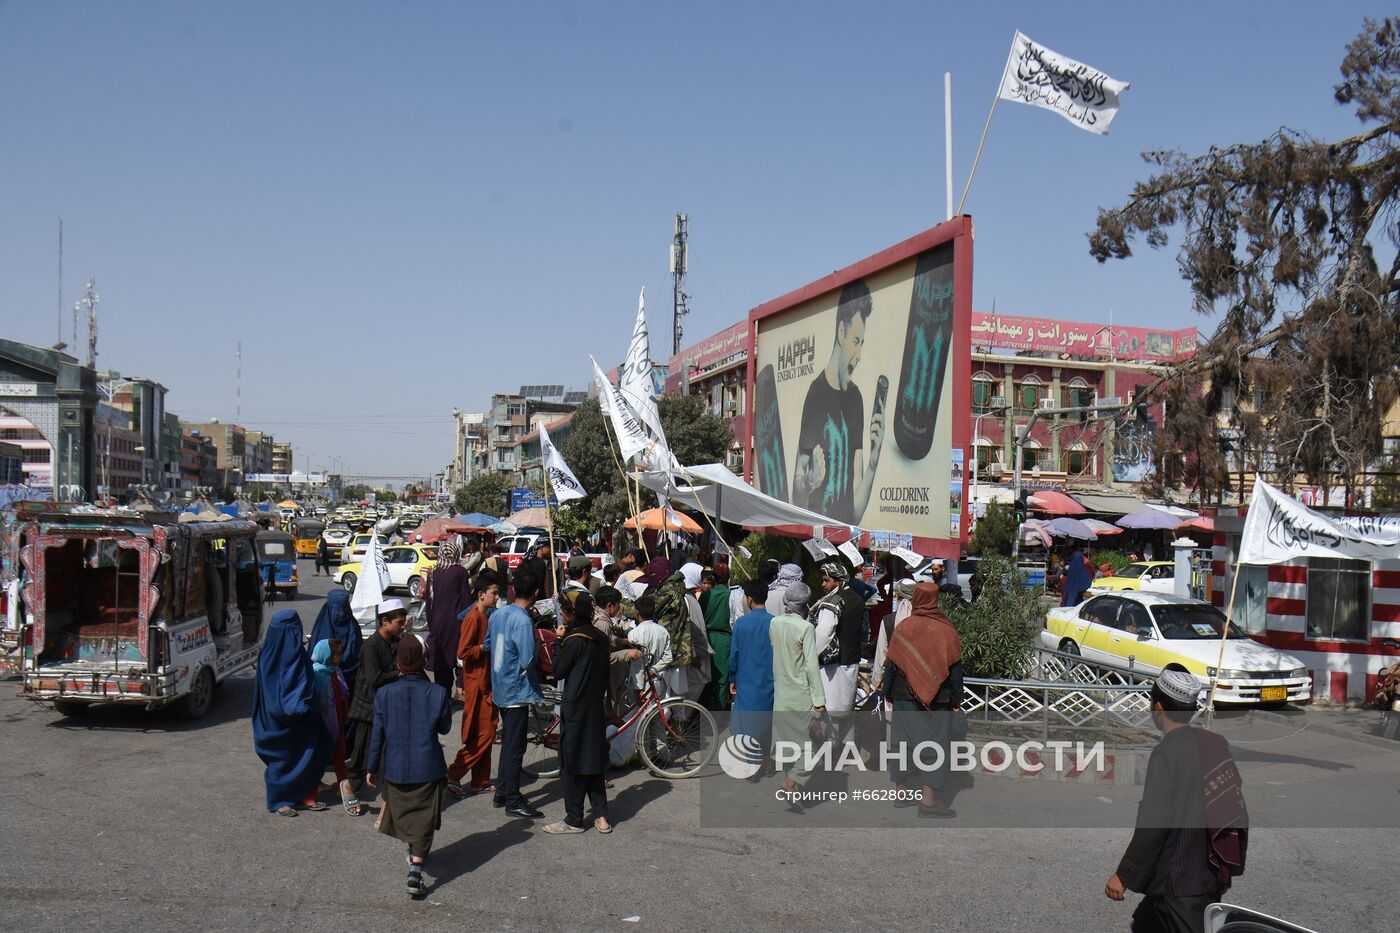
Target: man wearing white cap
point(1192, 825)
point(377, 668)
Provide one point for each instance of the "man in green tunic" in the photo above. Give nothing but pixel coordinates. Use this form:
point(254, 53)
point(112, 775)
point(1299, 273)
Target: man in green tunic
point(714, 603)
point(797, 684)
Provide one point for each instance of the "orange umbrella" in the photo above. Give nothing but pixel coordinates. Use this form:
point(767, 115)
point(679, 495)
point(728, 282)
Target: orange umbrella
point(655, 520)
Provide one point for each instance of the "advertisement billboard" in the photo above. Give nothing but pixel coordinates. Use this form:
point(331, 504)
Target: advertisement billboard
point(859, 392)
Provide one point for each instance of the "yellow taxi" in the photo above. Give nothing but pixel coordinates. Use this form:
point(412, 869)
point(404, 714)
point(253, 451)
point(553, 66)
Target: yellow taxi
point(408, 566)
point(1153, 632)
point(1155, 576)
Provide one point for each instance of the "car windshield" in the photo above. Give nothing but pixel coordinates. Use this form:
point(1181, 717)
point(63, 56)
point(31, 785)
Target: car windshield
point(1193, 622)
point(1133, 570)
point(431, 553)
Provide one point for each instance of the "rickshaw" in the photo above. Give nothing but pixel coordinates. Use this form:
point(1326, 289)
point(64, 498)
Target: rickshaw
point(307, 532)
point(136, 610)
point(278, 557)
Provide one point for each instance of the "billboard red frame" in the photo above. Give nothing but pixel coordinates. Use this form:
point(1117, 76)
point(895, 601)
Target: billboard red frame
point(958, 231)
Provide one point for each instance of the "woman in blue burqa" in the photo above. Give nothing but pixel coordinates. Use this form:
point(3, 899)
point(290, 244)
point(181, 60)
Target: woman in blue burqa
point(335, 620)
point(288, 734)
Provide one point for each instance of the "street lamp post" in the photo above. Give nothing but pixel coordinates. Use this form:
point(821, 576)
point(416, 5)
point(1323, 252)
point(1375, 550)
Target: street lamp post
point(998, 408)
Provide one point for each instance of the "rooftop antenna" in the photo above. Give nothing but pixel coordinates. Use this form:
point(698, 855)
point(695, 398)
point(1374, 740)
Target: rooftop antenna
point(60, 345)
point(679, 299)
point(90, 301)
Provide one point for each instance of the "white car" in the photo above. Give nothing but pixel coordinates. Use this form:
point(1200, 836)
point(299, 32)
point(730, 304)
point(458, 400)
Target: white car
point(1157, 631)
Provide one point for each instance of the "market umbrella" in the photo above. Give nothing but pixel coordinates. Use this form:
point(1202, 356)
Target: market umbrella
point(1033, 532)
point(531, 518)
point(1055, 503)
point(1200, 522)
point(505, 527)
point(1071, 528)
point(654, 519)
point(1149, 518)
point(477, 518)
point(289, 504)
point(1102, 529)
point(434, 530)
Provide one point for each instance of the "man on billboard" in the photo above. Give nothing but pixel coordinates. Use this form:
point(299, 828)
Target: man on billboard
point(830, 476)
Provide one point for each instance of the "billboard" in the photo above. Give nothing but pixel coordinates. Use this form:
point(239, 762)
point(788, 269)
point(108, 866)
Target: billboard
point(859, 392)
point(1046, 335)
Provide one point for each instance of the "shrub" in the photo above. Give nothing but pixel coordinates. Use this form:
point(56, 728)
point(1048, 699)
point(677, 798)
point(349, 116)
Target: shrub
point(998, 630)
point(762, 547)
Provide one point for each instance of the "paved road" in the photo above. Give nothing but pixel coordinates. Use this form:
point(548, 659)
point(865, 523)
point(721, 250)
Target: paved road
point(123, 820)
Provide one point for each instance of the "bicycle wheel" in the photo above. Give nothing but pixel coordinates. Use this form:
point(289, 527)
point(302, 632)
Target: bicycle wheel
point(677, 739)
point(541, 743)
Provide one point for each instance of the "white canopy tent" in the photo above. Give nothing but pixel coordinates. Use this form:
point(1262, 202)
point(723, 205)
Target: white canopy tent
point(716, 491)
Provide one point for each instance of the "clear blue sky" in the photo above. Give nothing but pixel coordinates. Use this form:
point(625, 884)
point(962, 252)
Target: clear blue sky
point(402, 207)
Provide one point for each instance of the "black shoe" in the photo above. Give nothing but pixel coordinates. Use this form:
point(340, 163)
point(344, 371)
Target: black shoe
point(498, 802)
point(526, 811)
point(415, 885)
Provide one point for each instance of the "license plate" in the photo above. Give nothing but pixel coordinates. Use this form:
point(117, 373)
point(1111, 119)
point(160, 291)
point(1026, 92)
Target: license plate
point(1273, 693)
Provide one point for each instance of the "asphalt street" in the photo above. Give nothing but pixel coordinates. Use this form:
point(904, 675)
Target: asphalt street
point(123, 820)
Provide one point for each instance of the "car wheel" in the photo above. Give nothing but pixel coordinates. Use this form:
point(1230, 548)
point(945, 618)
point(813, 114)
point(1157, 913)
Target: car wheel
point(70, 707)
point(347, 582)
point(197, 703)
point(1068, 646)
point(415, 586)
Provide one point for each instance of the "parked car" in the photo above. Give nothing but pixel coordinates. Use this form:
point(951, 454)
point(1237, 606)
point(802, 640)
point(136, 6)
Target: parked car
point(408, 566)
point(1158, 631)
point(518, 547)
point(1157, 576)
point(355, 548)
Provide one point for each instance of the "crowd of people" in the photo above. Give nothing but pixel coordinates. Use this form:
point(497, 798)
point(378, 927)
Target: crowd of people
point(784, 659)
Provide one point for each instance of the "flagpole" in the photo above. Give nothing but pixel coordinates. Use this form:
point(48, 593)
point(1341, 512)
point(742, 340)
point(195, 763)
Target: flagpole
point(1224, 634)
point(986, 126)
point(948, 138)
point(626, 482)
point(549, 529)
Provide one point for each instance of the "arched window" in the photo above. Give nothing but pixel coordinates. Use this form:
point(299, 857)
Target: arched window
point(1028, 394)
point(1076, 460)
point(984, 387)
point(1076, 393)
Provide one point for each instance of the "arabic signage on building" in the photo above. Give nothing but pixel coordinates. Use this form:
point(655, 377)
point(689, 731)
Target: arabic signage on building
point(1010, 332)
point(728, 345)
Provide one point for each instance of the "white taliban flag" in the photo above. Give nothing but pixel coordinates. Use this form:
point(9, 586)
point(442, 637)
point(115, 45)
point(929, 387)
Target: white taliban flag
point(1279, 528)
point(561, 479)
point(631, 437)
point(635, 383)
point(370, 583)
point(1081, 94)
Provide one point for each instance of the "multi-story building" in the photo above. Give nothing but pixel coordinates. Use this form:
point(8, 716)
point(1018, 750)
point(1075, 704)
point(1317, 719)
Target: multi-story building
point(48, 403)
point(170, 452)
point(199, 462)
point(513, 415)
point(11, 463)
point(257, 456)
point(120, 461)
point(471, 448)
point(716, 370)
point(281, 457)
point(528, 451)
point(144, 402)
point(230, 448)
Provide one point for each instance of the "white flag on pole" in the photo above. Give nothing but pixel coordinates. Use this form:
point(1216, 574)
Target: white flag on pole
point(1279, 528)
point(1081, 94)
point(370, 583)
point(561, 479)
point(635, 384)
point(631, 437)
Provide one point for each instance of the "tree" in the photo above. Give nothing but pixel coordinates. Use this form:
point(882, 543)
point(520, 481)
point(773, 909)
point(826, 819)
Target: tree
point(1279, 237)
point(695, 434)
point(994, 532)
point(997, 631)
point(488, 493)
point(1386, 495)
point(355, 492)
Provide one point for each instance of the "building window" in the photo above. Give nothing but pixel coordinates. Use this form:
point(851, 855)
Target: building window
point(1076, 393)
point(516, 408)
point(1033, 457)
point(1075, 462)
point(1028, 395)
point(1339, 598)
point(983, 390)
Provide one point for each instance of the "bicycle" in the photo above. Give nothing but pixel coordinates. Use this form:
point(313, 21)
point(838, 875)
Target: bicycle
point(676, 738)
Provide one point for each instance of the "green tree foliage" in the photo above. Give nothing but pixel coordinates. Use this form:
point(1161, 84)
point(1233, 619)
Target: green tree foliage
point(995, 531)
point(762, 548)
point(695, 434)
point(355, 491)
point(1283, 239)
point(488, 493)
point(998, 630)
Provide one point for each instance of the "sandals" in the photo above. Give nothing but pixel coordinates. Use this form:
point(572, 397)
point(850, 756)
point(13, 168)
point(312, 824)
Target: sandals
point(349, 800)
point(317, 806)
point(456, 790)
point(473, 791)
point(562, 829)
point(602, 825)
point(285, 811)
